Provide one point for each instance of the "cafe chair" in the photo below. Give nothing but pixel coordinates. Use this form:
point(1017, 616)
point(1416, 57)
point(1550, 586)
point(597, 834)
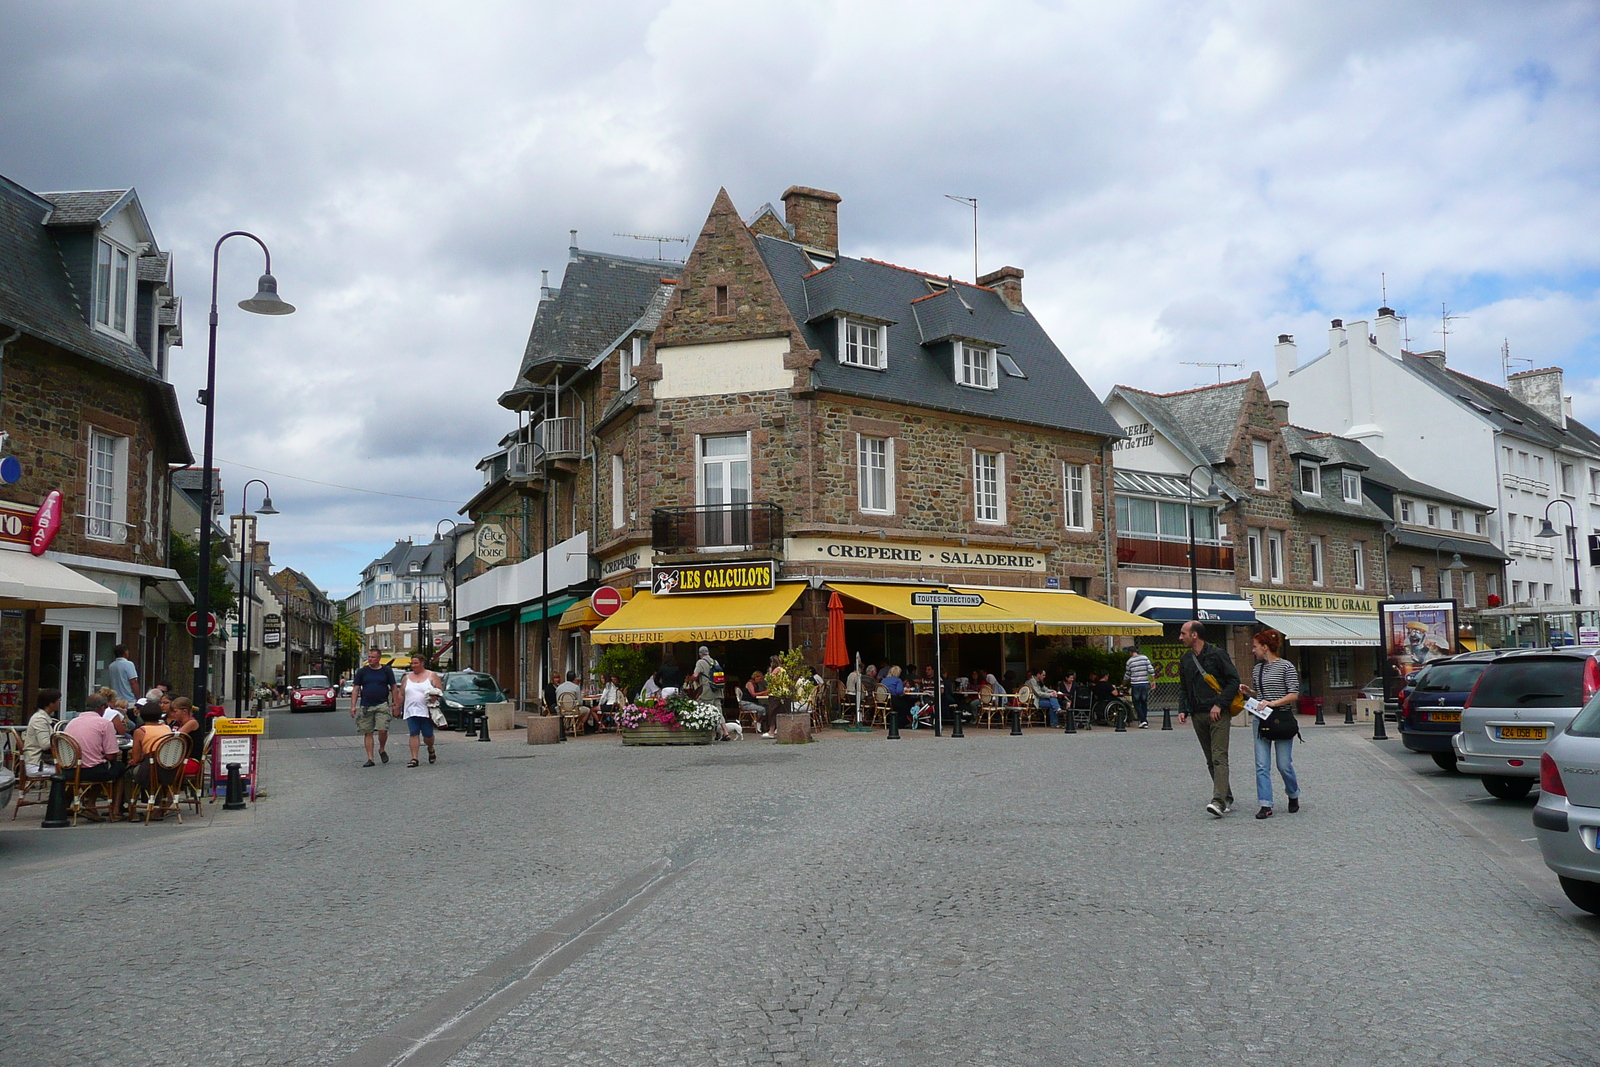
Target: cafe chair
point(988, 709)
point(882, 706)
point(1028, 706)
point(192, 786)
point(166, 771)
point(69, 764)
point(31, 789)
point(571, 711)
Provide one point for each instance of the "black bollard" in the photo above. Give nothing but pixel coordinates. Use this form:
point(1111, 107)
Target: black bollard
point(1378, 732)
point(233, 800)
point(469, 724)
point(1122, 716)
point(55, 812)
point(1166, 718)
point(483, 726)
point(1072, 723)
point(1349, 714)
point(955, 729)
point(894, 724)
point(1320, 720)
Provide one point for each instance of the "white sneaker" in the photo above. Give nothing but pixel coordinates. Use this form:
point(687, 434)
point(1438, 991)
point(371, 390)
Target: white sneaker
point(1215, 810)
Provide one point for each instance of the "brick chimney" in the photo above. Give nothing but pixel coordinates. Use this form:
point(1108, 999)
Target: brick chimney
point(1007, 281)
point(1286, 356)
point(1541, 390)
point(813, 214)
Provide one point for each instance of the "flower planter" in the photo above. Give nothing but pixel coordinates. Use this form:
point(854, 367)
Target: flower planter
point(656, 734)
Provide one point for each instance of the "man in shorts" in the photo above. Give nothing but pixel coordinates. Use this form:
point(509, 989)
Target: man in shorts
point(377, 696)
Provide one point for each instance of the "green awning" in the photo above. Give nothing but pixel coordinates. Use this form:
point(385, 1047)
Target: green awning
point(489, 620)
point(535, 612)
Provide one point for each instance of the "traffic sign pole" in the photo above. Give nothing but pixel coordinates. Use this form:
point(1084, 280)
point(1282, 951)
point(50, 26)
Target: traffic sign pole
point(938, 674)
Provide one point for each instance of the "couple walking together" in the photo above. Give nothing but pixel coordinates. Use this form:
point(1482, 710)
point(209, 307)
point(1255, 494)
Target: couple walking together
point(1211, 693)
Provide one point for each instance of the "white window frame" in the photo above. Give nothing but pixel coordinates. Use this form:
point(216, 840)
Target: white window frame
point(1406, 512)
point(1253, 550)
point(1319, 576)
point(630, 356)
point(978, 372)
point(1458, 519)
point(106, 494)
point(851, 349)
point(1516, 592)
point(1316, 479)
point(867, 472)
point(1358, 564)
point(1431, 511)
point(1261, 464)
point(1491, 584)
point(1075, 496)
point(105, 288)
point(1275, 558)
point(1447, 583)
point(1477, 522)
point(1469, 589)
point(1352, 486)
point(1566, 479)
point(1416, 579)
point(700, 466)
point(619, 510)
point(989, 513)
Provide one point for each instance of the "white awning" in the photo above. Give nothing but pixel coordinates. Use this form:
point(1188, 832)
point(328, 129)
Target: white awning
point(1325, 631)
point(29, 581)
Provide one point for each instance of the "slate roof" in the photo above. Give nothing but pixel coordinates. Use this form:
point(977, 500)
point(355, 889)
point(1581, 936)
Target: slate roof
point(1466, 544)
point(37, 296)
point(1383, 472)
point(84, 208)
point(400, 557)
point(1198, 422)
point(919, 374)
point(601, 297)
point(1505, 411)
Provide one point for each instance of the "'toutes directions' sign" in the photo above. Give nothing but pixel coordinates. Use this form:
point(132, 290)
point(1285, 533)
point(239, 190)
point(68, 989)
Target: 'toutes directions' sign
point(947, 600)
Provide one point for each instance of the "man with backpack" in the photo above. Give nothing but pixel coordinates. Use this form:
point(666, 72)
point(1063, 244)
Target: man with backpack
point(1207, 692)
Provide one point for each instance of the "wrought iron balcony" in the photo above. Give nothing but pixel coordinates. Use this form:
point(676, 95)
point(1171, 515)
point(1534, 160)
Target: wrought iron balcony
point(1155, 552)
point(746, 527)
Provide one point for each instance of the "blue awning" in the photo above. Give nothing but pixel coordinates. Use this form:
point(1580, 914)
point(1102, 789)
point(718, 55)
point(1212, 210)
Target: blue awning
point(1175, 605)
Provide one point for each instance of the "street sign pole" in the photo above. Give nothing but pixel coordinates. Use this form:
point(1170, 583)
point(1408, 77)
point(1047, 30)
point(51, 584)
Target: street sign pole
point(938, 676)
point(936, 600)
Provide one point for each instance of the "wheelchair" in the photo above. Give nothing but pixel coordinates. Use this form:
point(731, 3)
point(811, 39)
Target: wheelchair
point(1113, 712)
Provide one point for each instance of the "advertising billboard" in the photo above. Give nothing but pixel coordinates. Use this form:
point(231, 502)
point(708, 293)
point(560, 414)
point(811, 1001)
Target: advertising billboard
point(1415, 633)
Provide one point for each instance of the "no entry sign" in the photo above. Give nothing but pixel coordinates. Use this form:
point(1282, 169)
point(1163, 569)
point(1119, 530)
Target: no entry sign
point(605, 601)
point(194, 624)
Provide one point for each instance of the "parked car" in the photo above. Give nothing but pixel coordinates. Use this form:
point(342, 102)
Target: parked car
point(1431, 703)
point(1567, 819)
point(313, 692)
point(467, 693)
point(1520, 702)
point(347, 689)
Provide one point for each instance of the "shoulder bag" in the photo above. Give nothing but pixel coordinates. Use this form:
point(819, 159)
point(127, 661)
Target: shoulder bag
point(1237, 705)
point(1282, 724)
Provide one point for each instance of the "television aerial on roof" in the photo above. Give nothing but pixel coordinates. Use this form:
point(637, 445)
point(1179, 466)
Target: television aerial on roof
point(660, 241)
point(1218, 366)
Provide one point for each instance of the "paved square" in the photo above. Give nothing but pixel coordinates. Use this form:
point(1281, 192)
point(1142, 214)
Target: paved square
point(992, 900)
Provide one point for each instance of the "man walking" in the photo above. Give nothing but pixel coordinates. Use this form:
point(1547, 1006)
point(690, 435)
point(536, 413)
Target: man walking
point(1208, 683)
point(123, 675)
point(1138, 675)
point(377, 693)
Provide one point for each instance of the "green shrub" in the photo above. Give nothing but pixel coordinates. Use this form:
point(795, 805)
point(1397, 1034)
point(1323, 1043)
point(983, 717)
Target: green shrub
point(631, 665)
point(1088, 659)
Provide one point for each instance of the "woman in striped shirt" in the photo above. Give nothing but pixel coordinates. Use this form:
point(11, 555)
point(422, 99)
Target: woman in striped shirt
point(1276, 683)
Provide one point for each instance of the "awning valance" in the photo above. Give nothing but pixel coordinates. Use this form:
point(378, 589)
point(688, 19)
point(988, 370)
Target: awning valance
point(1176, 605)
point(648, 619)
point(490, 620)
point(1325, 631)
point(536, 611)
point(29, 581)
point(1061, 613)
point(580, 616)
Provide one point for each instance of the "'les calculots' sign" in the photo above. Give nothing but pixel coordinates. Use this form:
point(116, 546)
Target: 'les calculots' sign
point(714, 578)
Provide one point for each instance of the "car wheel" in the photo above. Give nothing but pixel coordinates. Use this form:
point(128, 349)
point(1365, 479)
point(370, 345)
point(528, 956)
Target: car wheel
point(1507, 788)
point(1447, 762)
point(1585, 895)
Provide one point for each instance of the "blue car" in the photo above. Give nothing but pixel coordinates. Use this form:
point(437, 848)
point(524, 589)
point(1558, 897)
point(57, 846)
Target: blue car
point(1430, 708)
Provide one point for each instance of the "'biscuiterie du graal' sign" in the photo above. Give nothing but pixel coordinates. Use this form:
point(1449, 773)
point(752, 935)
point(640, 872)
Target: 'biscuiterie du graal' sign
point(908, 554)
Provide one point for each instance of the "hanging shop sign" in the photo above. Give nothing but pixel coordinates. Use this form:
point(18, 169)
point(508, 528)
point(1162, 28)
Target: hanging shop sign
point(489, 543)
point(1318, 603)
point(46, 523)
point(902, 554)
point(272, 630)
point(714, 578)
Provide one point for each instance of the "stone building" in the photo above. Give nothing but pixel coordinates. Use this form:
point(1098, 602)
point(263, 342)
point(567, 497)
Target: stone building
point(307, 624)
point(87, 321)
point(403, 599)
point(799, 422)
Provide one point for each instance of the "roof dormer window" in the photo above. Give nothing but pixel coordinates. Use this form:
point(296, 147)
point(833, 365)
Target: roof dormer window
point(113, 286)
point(1311, 479)
point(861, 344)
point(975, 366)
point(1352, 486)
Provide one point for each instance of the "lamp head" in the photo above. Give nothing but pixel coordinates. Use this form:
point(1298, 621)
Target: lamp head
point(266, 508)
point(266, 301)
point(1547, 530)
point(1455, 563)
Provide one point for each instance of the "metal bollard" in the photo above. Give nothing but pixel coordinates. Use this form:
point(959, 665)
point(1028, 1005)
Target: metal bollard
point(1378, 732)
point(1320, 721)
point(1016, 721)
point(955, 730)
point(233, 800)
point(1072, 723)
point(469, 724)
point(1349, 714)
point(483, 726)
point(1122, 720)
point(55, 812)
point(894, 724)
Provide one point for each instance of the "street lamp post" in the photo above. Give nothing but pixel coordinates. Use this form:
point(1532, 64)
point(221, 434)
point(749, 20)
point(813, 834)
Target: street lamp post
point(450, 584)
point(1194, 564)
point(1548, 531)
point(1438, 558)
point(246, 585)
point(265, 302)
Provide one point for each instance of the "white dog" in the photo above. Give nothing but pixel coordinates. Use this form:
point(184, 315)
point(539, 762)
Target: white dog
point(735, 731)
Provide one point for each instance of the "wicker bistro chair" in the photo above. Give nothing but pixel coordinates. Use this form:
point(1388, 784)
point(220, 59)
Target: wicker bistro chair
point(160, 791)
point(1028, 706)
point(192, 787)
point(31, 789)
point(882, 705)
point(988, 708)
point(69, 764)
point(570, 708)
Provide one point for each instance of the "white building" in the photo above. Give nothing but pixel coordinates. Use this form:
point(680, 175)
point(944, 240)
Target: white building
point(1516, 445)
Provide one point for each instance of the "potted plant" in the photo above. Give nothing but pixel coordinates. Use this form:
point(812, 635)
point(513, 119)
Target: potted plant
point(678, 720)
point(792, 687)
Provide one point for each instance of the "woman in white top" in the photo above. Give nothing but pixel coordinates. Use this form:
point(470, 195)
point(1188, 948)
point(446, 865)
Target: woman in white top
point(419, 683)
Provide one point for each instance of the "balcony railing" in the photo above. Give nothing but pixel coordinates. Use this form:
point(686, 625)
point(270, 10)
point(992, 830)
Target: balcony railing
point(1527, 485)
point(559, 437)
point(1530, 548)
point(731, 527)
point(1151, 552)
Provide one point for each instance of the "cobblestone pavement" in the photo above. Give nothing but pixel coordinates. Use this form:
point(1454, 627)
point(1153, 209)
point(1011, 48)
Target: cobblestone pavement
point(992, 900)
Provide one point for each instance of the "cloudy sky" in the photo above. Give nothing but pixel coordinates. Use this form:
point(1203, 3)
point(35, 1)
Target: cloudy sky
point(1181, 180)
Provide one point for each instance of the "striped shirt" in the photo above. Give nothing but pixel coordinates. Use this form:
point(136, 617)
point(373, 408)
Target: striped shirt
point(1139, 669)
point(1276, 680)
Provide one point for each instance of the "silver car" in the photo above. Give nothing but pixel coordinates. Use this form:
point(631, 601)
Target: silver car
point(1519, 704)
point(1568, 816)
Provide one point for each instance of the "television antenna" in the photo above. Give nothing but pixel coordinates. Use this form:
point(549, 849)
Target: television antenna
point(972, 202)
point(1506, 359)
point(1446, 317)
point(660, 241)
point(1218, 367)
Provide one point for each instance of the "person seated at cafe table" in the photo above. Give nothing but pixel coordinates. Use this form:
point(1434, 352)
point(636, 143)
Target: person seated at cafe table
point(1046, 697)
point(753, 699)
point(146, 739)
point(36, 755)
point(97, 746)
point(181, 719)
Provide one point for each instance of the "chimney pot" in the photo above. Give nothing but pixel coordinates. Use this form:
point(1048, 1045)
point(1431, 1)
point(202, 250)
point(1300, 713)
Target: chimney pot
point(813, 215)
point(1007, 281)
point(1285, 338)
point(1337, 324)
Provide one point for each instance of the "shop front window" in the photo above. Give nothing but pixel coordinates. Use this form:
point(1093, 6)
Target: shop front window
point(1340, 675)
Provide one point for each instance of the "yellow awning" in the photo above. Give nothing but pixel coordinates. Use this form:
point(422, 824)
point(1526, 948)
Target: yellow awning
point(1053, 612)
point(896, 600)
point(581, 616)
point(648, 619)
point(1470, 644)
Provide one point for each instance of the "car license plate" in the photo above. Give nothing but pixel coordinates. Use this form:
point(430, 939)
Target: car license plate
point(1522, 733)
point(1444, 716)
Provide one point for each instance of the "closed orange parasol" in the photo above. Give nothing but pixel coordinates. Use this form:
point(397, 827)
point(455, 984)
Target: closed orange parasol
point(836, 656)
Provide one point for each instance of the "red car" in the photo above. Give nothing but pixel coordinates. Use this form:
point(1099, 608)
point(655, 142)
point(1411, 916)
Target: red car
point(313, 692)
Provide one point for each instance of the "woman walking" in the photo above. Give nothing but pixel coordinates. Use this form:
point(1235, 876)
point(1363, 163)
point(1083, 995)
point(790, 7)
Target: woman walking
point(1275, 682)
point(420, 684)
